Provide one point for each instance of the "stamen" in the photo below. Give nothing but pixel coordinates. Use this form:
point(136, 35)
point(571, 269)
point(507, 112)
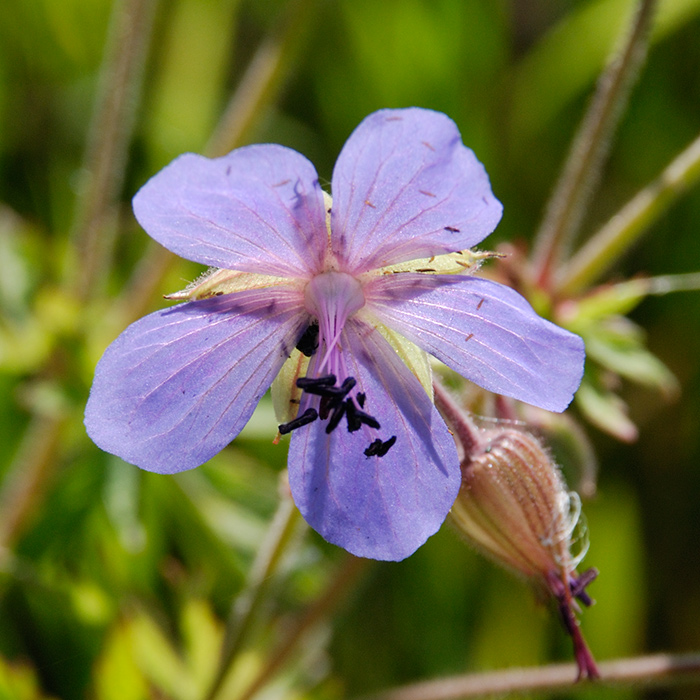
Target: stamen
point(331, 396)
point(323, 386)
point(335, 395)
point(316, 385)
point(348, 384)
point(361, 398)
point(309, 416)
point(334, 403)
point(308, 343)
point(337, 416)
point(356, 418)
point(379, 448)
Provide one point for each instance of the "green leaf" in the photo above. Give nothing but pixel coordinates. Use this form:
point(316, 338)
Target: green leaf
point(617, 344)
point(117, 675)
point(605, 410)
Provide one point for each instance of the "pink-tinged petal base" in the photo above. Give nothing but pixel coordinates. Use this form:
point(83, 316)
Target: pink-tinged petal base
point(177, 386)
point(485, 331)
point(405, 187)
point(257, 209)
point(378, 507)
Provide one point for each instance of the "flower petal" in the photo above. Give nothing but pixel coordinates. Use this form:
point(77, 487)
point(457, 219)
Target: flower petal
point(378, 507)
point(405, 187)
point(257, 209)
point(177, 386)
point(486, 332)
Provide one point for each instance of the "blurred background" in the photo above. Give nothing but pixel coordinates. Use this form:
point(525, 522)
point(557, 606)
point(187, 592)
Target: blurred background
point(115, 583)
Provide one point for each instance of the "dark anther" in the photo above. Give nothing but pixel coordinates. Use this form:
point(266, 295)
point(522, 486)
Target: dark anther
point(379, 448)
point(451, 229)
point(354, 422)
point(309, 416)
point(371, 421)
point(336, 417)
point(336, 396)
point(348, 384)
point(316, 385)
point(356, 418)
point(322, 386)
point(331, 396)
point(308, 343)
point(335, 404)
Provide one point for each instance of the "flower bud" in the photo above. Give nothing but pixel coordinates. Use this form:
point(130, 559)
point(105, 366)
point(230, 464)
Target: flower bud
point(515, 508)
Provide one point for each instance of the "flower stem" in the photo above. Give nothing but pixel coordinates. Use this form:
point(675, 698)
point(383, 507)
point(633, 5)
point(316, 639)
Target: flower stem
point(659, 670)
point(465, 431)
point(625, 227)
point(591, 144)
point(560, 589)
point(280, 535)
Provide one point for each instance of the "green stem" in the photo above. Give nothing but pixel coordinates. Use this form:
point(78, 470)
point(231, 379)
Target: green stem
point(24, 484)
point(257, 90)
point(660, 670)
point(344, 578)
point(277, 541)
point(606, 246)
point(581, 172)
point(116, 105)
point(260, 84)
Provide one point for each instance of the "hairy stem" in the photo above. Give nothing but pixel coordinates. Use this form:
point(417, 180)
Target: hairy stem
point(646, 671)
point(113, 119)
point(260, 84)
point(625, 228)
point(591, 144)
point(465, 431)
point(258, 89)
point(103, 170)
point(25, 482)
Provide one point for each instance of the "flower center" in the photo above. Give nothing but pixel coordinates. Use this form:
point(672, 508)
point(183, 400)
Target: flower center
point(332, 297)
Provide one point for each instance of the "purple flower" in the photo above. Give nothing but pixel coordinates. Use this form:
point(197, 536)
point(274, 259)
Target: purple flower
point(372, 466)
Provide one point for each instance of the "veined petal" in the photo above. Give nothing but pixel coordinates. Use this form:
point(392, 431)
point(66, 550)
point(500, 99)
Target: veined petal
point(257, 209)
point(486, 332)
point(405, 187)
point(383, 507)
point(177, 386)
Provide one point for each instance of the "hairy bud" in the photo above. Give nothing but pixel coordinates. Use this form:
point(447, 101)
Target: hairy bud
point(515, 508)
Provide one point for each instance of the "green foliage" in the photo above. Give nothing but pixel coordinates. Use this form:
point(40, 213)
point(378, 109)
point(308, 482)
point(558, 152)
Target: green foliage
point(116, 583)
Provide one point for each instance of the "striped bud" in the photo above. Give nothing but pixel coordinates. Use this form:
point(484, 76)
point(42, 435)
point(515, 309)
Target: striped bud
point(514, 505)
point(515, 508)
